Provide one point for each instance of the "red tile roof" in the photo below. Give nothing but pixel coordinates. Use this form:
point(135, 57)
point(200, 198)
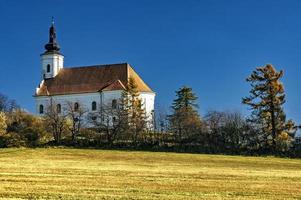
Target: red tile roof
point(91, 79)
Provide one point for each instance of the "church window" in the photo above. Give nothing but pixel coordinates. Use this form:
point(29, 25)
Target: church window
point(58, 108)
point(76, 106)
point(48, 68)
point(41, 109)
point(114, 103)
point(94, 106)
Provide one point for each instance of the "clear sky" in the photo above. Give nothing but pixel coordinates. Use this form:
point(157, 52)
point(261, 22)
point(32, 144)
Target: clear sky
point(209, 45)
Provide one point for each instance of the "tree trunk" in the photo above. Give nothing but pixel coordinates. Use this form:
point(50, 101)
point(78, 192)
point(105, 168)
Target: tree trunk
point(272, 111)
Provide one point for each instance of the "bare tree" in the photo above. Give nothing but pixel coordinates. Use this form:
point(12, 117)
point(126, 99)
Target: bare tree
point(109, 120)
point(55, 121)
point(6, 104)
point(225, 131)
point(75, 112)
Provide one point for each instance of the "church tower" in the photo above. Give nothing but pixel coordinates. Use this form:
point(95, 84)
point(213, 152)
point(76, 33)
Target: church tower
point(52, 59)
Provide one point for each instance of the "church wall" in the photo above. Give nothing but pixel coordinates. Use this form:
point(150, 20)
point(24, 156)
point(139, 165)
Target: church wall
point(85, 100)
point(148, 100)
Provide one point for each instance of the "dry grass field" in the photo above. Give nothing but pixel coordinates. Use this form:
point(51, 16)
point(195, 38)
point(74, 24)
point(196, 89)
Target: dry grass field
point(98, 174)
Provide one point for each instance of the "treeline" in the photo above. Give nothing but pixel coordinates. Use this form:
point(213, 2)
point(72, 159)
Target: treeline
point(125, 125)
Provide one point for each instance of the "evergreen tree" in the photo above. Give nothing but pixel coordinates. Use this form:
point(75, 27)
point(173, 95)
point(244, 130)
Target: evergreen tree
point(266, 100)
point(185, 121)
point(133, 110)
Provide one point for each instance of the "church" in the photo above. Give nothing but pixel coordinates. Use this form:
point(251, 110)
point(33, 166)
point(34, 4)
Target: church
point(91, 87)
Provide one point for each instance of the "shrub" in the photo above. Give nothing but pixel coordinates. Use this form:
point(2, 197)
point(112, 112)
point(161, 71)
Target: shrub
point(3, 125)
point(12, 139)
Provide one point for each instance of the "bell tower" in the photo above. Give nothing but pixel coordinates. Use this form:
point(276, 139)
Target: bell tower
point(52, 60)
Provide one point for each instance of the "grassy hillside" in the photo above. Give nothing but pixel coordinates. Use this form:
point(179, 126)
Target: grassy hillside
point(98, 174)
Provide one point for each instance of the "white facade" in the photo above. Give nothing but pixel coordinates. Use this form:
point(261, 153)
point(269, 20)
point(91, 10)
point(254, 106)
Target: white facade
point(85, 100)
point(51, 64)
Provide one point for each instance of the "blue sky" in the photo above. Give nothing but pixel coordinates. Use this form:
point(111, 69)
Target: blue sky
point(209, 45)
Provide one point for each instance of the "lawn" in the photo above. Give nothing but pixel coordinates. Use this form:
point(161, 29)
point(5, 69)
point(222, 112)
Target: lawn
point(99, 174)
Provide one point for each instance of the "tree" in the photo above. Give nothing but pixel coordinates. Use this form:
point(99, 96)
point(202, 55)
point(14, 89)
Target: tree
point(225, 131)
point(55, 121)
point(185, 121)
point(214, 140)
point(266, 100)
point(132, 107)
point(161, 125)
point(7, 105)
point(3, 124)
point(75, 113)
point(109, 120)
point(28, 127)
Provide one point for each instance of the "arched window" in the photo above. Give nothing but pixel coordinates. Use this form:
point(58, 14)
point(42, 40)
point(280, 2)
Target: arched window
point(94, 106)
point(48, 68)
point(41, 109)
point(58, 108)
point(114, 103)
point(76, 106)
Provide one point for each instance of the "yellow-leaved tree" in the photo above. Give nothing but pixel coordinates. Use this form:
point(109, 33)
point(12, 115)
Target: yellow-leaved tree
point(3, 124)
point(266, 100)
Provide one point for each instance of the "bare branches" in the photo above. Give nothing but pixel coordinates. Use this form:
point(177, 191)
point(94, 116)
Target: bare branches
point(55, 121)
point(75, 113)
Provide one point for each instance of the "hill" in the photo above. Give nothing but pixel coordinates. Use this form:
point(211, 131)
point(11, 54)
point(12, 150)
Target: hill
point(99, 174)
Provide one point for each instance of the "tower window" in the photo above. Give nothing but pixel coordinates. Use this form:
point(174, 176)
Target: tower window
point(41, 109)
point(94, 106)
point(76, 106)
point(58, 108)
point(48, 68)
point(114, 103)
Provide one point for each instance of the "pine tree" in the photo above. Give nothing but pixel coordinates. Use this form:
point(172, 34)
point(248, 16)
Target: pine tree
point(185, 121)
point(266, 101)
point(134, 111)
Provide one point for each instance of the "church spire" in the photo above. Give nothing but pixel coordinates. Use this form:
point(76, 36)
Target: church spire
point(52, 46)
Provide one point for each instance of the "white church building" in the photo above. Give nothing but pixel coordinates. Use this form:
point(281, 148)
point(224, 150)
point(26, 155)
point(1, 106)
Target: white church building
point(89, 86)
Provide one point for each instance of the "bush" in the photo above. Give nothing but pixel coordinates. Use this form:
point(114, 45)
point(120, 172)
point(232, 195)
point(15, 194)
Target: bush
point(12, 139)
point(3, 124)
point(29, 128)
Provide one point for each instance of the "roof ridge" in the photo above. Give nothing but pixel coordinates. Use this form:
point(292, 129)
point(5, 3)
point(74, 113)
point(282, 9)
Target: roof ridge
point(98, 66)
